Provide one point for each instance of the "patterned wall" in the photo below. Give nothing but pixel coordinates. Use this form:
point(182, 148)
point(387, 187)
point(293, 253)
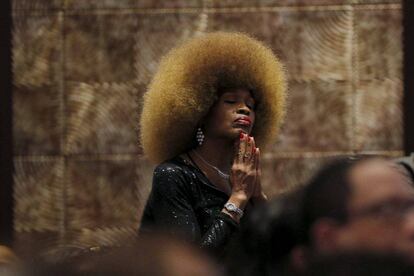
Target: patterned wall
point(81, 67)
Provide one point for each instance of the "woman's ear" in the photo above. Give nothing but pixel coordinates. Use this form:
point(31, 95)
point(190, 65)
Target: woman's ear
point(324, 235)
point(201, 123)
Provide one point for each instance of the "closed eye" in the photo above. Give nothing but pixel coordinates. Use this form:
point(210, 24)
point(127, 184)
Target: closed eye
point(230, 101)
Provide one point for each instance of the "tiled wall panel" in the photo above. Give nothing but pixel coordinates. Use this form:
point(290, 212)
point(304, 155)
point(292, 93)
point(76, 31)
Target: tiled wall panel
point(101, 118)
point(157, 34)
point(313, 44)
point(81, 68)
point(36, 106)
point(324, 105)
point(102, 42)
point(277, 176)
point(39, 203)
point(103, 193)
point(379, 115)
point(379, 41)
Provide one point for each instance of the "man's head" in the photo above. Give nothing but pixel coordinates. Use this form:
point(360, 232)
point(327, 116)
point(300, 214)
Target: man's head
point(359, 204)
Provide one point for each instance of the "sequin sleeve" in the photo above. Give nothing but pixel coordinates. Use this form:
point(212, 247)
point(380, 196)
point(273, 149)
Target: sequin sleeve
point(170, 208)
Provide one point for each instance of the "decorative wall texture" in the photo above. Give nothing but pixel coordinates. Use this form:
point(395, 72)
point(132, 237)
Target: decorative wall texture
point(81, 67)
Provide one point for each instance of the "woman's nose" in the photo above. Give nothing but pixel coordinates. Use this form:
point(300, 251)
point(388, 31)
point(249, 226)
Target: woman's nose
point(243, 109)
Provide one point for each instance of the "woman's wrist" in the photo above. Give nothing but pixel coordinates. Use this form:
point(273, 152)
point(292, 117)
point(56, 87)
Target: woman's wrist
point(234, 216)
point(239, 199)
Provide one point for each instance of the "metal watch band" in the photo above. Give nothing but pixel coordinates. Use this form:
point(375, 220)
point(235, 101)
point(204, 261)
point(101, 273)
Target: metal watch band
point(231, 207)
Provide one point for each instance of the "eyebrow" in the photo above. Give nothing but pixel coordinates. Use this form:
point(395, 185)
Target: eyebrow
point(230, 93)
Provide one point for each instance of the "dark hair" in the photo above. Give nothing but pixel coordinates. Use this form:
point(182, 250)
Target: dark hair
point(326, 194)
point(267, 236)
point(360, 264)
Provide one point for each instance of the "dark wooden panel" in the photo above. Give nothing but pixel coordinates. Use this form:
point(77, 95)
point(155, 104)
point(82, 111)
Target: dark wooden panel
point(6, 144)
point(408, 77)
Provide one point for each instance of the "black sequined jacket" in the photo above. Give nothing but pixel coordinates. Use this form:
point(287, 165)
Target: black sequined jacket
point(183, 202)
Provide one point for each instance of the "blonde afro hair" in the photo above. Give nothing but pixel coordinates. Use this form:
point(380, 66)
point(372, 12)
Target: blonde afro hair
point(186, 85)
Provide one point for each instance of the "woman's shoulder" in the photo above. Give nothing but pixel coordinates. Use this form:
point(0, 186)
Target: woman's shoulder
point(173, 165)
point(173, 174)
point(177, 166)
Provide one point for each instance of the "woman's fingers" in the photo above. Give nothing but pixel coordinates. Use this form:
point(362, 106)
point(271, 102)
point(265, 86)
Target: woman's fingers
point(258, 186)
point(244, 169)
point(236, 151)
point(242, 148)
point(245, 149)
point(257, 151)
point(249, 154)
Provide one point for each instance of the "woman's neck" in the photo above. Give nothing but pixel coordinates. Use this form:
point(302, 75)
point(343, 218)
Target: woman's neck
point(218, 153)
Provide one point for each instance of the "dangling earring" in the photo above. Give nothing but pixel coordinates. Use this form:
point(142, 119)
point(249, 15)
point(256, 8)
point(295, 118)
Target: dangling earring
point(200, 136)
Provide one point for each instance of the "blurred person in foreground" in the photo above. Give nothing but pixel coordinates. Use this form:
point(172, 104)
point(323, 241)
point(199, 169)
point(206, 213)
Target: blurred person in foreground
point(268, 235)
point(9, 262)
point(351, 206)
point(357, 263)
point(356, 204)
point(151, 255)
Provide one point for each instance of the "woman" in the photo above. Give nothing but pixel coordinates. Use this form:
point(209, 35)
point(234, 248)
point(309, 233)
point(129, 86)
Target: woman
point(213, 102)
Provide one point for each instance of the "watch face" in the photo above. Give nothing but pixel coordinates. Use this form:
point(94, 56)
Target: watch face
point(231, 207)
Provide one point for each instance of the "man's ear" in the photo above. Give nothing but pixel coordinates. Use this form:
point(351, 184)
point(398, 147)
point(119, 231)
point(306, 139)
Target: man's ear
point(324, 235)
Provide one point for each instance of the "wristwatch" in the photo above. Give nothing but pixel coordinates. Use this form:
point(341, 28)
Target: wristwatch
point(232, 208)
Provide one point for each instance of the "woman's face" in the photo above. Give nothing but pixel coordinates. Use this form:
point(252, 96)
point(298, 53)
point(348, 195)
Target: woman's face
point(231, 114)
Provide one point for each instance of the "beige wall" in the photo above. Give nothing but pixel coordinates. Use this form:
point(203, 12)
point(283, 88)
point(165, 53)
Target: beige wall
point(81, 67)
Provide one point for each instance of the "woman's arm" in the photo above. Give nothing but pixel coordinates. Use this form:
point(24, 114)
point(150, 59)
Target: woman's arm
point(170, 209)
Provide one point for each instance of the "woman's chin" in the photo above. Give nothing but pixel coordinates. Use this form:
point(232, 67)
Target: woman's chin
point(239, 130)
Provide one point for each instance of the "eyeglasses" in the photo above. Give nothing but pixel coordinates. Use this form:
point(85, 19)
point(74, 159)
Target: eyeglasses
point(392, 209)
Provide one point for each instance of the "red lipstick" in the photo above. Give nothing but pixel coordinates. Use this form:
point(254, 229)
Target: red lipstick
point(244, 120)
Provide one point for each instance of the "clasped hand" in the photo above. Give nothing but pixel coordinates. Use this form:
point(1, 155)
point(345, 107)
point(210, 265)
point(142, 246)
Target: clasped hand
point(245, 172)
